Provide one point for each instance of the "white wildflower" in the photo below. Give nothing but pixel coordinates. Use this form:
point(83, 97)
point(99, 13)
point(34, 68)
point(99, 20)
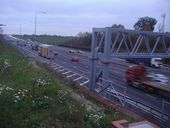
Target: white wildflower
point(8, 88)
point(7, 63)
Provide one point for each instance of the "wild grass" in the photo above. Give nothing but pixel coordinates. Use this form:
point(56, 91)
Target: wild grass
point(32, 97)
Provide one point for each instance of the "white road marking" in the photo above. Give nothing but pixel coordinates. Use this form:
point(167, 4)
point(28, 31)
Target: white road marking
point(57, 68)
point(84, 82)
point(66, 72)
point(29, 51)
point(61, 70)
point(78, 78)
point(71, 75)
point(151, 96)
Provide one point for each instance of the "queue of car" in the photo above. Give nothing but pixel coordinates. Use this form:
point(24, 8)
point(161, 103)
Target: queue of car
point(39, 47)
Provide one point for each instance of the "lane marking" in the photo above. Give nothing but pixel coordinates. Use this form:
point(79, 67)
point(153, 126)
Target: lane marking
point(57, 68)
point(66, 72)
point(151, 96)
point(84, 83)
point(61, 70)
point(28, 51)
point(71, 75)
point(78, 78)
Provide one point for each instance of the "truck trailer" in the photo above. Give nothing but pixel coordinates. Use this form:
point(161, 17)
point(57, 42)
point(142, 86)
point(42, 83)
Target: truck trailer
point(46, 51)
point(153, 62)
point(138, 77)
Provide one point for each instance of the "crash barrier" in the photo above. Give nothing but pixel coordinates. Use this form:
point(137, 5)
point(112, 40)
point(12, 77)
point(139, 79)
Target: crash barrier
point(125, 101)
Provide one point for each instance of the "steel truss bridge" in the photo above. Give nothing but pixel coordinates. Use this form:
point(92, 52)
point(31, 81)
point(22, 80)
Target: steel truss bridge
point(109, 43)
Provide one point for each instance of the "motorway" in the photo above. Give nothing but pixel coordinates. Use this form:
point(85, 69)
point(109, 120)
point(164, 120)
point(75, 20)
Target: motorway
point(117, 72)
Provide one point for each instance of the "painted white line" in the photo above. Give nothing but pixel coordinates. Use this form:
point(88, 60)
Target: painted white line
point(97, 90)
point(151, 96)
point(66, 72)
point(78, 78)
point(144, 107)
point(84, 83)
point(61, 70)
point(57, 68)
point(55, 65)
point(116, 68)
point(35, 55)
point(71, 75)
point(131, 102)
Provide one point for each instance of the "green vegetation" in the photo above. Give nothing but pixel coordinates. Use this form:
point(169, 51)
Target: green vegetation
point(47, 39)
point(81, 41)
point(145, 24)
point(32, 97)
point(118, 26)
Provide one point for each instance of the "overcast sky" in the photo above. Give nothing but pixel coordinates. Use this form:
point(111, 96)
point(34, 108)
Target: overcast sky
point(68, 17)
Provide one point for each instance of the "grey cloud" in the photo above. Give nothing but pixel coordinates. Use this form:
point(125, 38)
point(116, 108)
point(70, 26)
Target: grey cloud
point(72, 16)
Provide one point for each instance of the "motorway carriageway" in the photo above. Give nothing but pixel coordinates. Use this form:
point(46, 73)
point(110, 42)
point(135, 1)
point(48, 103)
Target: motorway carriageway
point(118, 69)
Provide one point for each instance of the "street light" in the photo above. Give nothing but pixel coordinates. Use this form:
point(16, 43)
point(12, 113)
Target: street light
point(36, 13)
point(163, 25)
point(20, 29)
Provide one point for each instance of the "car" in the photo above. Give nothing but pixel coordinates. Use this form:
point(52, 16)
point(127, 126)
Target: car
point(71, 51)
point(55, 53)
point(160, 78)
point(80, 52)
point(75, 59)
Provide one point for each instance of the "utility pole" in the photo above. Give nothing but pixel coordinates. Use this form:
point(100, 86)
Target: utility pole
point(163, 25)
point(35, 24)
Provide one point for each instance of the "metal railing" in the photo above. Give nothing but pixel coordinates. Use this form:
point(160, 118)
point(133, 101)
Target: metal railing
point(126, 101)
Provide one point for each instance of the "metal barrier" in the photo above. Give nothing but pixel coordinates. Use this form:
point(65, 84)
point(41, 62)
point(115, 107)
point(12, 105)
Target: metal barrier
point(125, 101)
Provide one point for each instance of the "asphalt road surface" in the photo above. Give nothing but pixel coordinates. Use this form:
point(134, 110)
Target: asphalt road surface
point(117, 72)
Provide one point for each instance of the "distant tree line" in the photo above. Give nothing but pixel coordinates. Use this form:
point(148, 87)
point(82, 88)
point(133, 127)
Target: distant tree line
point(83, 39)
point(48, 39)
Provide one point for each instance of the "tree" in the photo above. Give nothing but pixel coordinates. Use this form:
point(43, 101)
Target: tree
point(145, 24)
point(85, 37)
point(1, 30)
point(118, 26)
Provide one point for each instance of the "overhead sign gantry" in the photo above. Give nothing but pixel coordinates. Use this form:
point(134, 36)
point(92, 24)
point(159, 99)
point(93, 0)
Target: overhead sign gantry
point(109, 43)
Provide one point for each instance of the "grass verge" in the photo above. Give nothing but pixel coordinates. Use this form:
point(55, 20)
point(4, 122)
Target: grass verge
point(33, 97)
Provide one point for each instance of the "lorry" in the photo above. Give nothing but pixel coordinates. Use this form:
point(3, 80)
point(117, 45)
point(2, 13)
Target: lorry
point(46, 51)
point(138, 77)
point(153, 62)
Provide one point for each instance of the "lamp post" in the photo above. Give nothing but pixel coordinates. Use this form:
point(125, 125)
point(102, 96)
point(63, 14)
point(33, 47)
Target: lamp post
point(35, 28)
point(163, 24)
point(20, 29)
